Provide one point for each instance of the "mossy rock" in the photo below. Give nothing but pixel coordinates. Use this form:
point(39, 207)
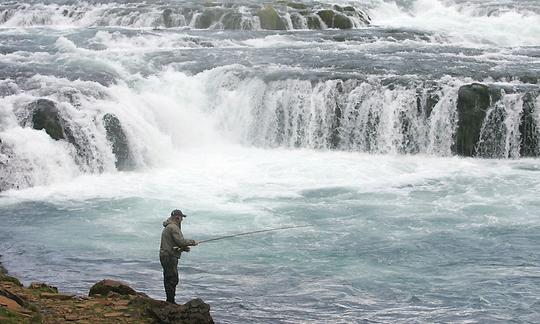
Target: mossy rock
point(342, 22)
point(5, 277)
point(313, 23)
point(46, 116)
point(106, 286)
point(335, 20)
point(327, 16)
point(294, 5)
point(118, 139)
point(232, 20)
point(208, 18)
point(473, 102)
point(344, 9)
point(528, 127)
point(270, 19)
point(167, 18)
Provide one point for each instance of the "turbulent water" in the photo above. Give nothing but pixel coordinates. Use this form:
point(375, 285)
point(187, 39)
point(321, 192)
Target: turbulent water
point(250, 115)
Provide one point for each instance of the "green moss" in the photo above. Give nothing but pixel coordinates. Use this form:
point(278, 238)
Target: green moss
point(270, 19)
point(299, 6)
point(342, 22)
point(232, 20)
point(9, 317)
point(327, 17)
point(4, 277)
point(333, 20)
point(313, 23)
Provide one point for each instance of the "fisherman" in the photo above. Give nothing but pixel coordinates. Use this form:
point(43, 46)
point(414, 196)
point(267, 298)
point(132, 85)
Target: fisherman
point(172, 246)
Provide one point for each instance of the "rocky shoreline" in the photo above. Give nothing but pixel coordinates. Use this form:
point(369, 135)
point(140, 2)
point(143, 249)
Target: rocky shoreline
point(108, 301)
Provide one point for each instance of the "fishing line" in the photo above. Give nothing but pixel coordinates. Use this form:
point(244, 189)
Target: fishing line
point(253, 232)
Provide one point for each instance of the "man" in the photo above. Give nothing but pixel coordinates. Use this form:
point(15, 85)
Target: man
point(172, 245)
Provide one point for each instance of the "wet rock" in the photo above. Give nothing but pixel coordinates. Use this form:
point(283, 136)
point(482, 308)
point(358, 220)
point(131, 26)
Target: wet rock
point(335, 20)
point(313, 22)
point(270, 19)
point(232, 20)
point(167, 18)
point(528, 128)
point(45, 116)
point(105, 286)
point(473, 102)
point(118, 139)
point(194, 311)
point(294, 5)
point(208, 18)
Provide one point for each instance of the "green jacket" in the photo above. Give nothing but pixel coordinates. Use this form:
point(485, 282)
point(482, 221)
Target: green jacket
point(172, 237)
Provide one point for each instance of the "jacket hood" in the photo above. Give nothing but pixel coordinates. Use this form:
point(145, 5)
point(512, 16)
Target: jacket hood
point(170, 221)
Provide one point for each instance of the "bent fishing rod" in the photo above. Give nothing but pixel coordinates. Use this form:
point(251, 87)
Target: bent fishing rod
point(253, 232)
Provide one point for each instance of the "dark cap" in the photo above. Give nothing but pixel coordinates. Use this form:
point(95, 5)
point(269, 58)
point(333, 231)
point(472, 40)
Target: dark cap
point(178, 212)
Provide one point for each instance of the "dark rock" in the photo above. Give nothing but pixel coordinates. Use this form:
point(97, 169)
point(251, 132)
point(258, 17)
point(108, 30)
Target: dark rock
point(105, 286)
point(208, 18)
point(335, 20)
point(473, 102)
point(313, 22)
point(118, 139)
point(43, 287)
point(45, 116)
point(195, 311)
point(270, 19)
point(232, 20)
point(296, 5)
point(167, 18)
point(528, 128)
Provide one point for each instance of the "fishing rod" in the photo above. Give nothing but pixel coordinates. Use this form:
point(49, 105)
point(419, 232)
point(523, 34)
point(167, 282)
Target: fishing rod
point(253, 232)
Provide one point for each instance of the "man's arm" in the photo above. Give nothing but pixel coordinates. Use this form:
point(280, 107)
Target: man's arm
point(179, 239)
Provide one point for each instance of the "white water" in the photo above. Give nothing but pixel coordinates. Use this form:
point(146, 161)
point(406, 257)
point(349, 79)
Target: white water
point(238, 129)
point(462, 23)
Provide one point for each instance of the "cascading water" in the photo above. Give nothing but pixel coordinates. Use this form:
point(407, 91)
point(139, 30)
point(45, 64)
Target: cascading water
point(405, 132)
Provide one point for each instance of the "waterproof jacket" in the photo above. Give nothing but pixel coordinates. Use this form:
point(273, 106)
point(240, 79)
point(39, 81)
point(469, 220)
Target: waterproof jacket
point(172, 237)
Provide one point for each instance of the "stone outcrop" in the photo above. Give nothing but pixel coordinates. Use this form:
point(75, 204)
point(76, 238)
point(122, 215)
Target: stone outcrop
point(119, 142)
point(46, 116)
point(270, 19)
point(106, 286)
point(528, 128)
point(473, 102)
point(334, 20)
point(195, 311)
point(39, 303)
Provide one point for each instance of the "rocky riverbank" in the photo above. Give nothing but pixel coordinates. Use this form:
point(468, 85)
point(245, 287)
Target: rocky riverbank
point(108, 302)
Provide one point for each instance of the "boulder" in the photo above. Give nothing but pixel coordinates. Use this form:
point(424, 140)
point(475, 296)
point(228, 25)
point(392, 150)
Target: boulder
point(313, 22)
point(45, 116)
point(335, 20)
point(528, 128)
point(43, 287)
point(473, 102)
point(232, 20)
point(195, 311)
point(167, 18)
point(270, 19)
point(105, 286)
point(118, 139)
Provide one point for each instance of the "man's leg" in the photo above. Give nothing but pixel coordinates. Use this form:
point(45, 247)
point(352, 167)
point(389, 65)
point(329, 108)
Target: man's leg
point(170, 276)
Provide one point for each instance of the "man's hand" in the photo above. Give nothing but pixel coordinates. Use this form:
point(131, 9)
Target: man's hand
point(193, 242)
